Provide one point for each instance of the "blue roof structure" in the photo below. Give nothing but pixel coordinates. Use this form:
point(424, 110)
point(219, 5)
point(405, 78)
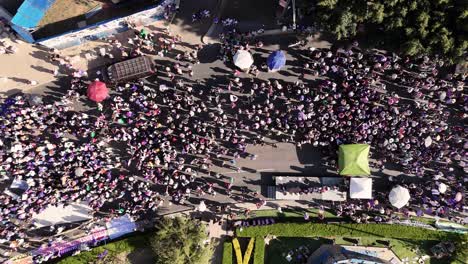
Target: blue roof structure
point(31, 12)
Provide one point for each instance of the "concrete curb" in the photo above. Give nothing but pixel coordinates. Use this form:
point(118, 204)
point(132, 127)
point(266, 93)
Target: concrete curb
point(219, 10)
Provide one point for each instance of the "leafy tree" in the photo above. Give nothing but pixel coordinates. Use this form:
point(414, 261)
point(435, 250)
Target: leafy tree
point(423, 21)
point(423, 26)
point(180, 240)
point(327, 3)
point(346, 26)
point(377, 13)
point(413, 47)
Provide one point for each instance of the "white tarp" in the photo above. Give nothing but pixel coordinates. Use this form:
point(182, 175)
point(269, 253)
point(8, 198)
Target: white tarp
point(399, 196)
point(53, 215)
point(120, 226)
point(360, 188)
point(243, 59)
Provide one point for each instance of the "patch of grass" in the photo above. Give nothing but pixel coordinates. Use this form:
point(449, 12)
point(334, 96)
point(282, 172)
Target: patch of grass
point(127, 245)
point(287, 213)
point(227, 253)
point(259, 250)
point(349, 230)
point(299, 213)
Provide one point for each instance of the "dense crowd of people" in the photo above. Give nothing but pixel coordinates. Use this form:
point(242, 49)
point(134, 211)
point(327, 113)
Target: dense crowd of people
point(150, 143)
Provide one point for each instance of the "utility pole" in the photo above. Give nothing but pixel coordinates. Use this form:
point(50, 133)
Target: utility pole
point(294, 13)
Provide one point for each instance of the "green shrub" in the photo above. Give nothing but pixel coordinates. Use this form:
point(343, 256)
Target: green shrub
point(350, 230)
point(227, 253)
point(259, 250)
point(461, 252)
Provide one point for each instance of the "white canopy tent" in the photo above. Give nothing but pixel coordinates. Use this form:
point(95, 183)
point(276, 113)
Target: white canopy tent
point(399, 196)
point(243, 59)
point(360, 188)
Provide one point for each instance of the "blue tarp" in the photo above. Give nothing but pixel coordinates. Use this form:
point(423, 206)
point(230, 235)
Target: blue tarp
point(31, 12)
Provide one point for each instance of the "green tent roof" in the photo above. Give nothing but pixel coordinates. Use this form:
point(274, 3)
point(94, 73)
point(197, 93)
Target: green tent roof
point(353, 160)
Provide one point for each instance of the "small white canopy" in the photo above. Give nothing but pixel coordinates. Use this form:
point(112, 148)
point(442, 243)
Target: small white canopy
point(399, 196)
point(360, 188)
point(243, 59)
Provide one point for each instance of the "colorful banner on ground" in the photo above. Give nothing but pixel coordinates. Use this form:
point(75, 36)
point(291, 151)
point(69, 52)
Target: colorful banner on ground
point(96, 235)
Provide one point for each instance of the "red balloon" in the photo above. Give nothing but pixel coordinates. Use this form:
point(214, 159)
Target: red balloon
point(97, 91)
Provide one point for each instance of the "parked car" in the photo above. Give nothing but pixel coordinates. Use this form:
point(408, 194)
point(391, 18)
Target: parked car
point(130, 69)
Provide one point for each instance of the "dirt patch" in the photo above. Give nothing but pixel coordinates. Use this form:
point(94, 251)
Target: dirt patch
point(65, 9)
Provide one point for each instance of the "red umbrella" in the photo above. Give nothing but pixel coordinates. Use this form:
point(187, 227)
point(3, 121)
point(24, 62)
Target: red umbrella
point(97, 91)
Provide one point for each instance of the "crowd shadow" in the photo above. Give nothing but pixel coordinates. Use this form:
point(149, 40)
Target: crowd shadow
point(11, 92)
point(209, 53)
point(40, 55)
point(41, 69)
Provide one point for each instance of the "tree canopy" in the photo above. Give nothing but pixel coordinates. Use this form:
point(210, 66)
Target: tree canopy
point(180, 241)
point(414, 27)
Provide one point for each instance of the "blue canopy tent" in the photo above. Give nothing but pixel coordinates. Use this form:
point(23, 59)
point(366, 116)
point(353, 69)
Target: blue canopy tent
point(276, 60)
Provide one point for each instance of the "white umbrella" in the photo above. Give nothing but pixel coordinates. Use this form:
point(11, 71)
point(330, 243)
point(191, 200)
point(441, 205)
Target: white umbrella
point(79, 171)
point(442, 187)
point(202, 206)
point(399, 196)
point(243, 59)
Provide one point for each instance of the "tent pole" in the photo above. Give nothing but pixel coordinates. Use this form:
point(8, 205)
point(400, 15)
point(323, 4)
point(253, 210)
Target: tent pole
point(294, 13)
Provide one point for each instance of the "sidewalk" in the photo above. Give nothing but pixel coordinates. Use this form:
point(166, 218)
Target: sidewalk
point(28, 63)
